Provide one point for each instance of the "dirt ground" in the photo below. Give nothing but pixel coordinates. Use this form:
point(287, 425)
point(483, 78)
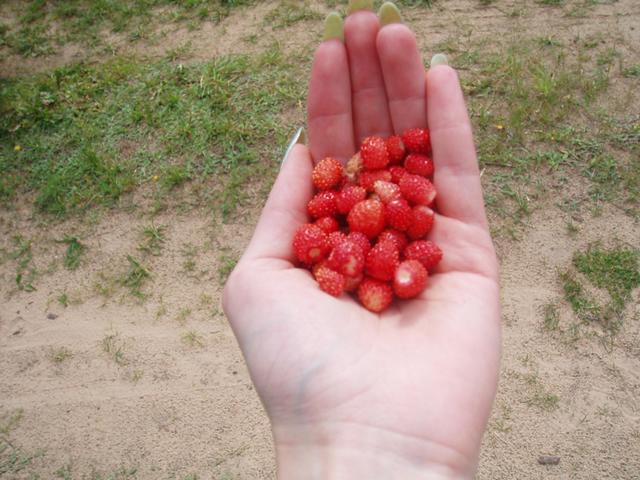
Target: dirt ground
point(157, 389)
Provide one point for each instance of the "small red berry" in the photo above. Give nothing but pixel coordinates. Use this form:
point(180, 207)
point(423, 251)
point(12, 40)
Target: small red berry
point(397, 172)
point(398, 214)
point(424, 251)
point(367, 217)
point(382, 260)
point(330, 281)
point(351, 284)
point(374, 295)
point(373, 152)
point(322, 205)
point(418, 190)
point(396, 150)
point(419, 164)
point(387, 191)
point(399, 238)
point(327, 224)
point(422, 219)
point(346, 258)
point(334, 238)
point(310, 244)
point(410, 279)
point(417, 140)
point(368, 179)
point(361, 240)
point(327, 174)
point(348, 197)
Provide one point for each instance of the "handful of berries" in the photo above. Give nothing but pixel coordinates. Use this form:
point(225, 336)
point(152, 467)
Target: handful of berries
point(371, 219)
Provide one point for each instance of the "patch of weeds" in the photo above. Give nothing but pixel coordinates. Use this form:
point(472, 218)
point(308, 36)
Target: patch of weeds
point(173, 176)
point(632, 71)
point(189, 253)
point(61, 354)
point(183, 314)
point(290, 12)
point(135, 278)
point(13, 459)
point(75, 249)
point(153, 238)
point(114, 346)
point(193, 339)
point(25, 272)
point(551, 316)
point(550, 2)
point(539, 396)
point(226, 264)
point(63, 300)
point(585, 308)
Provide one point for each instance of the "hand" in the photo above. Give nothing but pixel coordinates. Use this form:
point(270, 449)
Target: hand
point(351, 394)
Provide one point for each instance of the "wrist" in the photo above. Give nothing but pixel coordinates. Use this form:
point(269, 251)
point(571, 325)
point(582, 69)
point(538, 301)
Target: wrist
point(356, 452)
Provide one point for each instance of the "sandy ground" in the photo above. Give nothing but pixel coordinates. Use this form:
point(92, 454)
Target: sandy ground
point(137, 396)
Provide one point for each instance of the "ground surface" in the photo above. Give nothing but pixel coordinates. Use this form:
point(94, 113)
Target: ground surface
point(117, 361)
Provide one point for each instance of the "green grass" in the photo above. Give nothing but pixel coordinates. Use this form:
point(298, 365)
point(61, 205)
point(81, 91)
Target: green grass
point(74, 251)
point(61, 354)
point(184, 121)
point(226, 264)
point(153, 238)
point(135, 277)
point(193, 339)
point(114, 347)
point(290, 12)
point(25, 271)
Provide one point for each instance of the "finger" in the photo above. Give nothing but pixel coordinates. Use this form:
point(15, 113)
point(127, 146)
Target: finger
point(329, 103)
point(285, 209)
point(457, 177)
point(369, 99)
point(404, 76)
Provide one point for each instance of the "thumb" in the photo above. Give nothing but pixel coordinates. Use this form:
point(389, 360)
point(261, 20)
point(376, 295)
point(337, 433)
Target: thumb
point(286, 208)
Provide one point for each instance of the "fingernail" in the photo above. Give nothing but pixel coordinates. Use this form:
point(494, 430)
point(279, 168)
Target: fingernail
point(333, 27)
point(299, 137)
point(389, 13)
point(355, 5)
point(439, 59)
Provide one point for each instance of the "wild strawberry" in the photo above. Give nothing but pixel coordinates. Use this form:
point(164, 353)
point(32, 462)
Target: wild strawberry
point(353, 168)
point(348, 197)
point(396, 150)
point(361, 240)
point(410, 279)
point(373, 152)
point(334, 238)
point(398, 238)
point(330, 281)
point(416, 189)
point(417, 140)
point(368, 179)
point(424, 251)
point(327, 174)
point(396, 173)
point(351, 284)
point(421, 222)
point(374, 295)
point(382, 260)
point(322, 205)
point(367, 217)
point(419, 164)
point(310, 244)
point(327, 224)
point(346, 258)
point(398, 214)
point(386, 191)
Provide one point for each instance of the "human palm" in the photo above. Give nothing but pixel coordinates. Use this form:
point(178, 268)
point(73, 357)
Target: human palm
point(408, 390)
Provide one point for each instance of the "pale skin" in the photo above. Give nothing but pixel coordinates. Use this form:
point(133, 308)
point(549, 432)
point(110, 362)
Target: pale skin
point(351, 394)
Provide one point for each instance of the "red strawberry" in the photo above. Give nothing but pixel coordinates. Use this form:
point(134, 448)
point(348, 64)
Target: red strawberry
point(346, 258)
point(327, 174)
point(410, 279)
point(327, 224)
point(353, 167)
point(334, 238)
point(330, 281)
point(374, 295)
point(352, 283)
point(398, 214)
point(417, 140)
point(367, 217)
point(396, 150)
point(322, 205)
point(396, 173)
point(361, 240)
point(421, 222)
point(310, 244)
point(418, 190)
point(382, 260)
point(373, 152)
point(368, 179)
point(386, 191)
point(348, 197)
point(419, 164)
point(426, 252)
point(399, 238)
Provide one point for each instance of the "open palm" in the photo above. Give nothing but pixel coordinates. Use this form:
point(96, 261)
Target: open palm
point(374, 396)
